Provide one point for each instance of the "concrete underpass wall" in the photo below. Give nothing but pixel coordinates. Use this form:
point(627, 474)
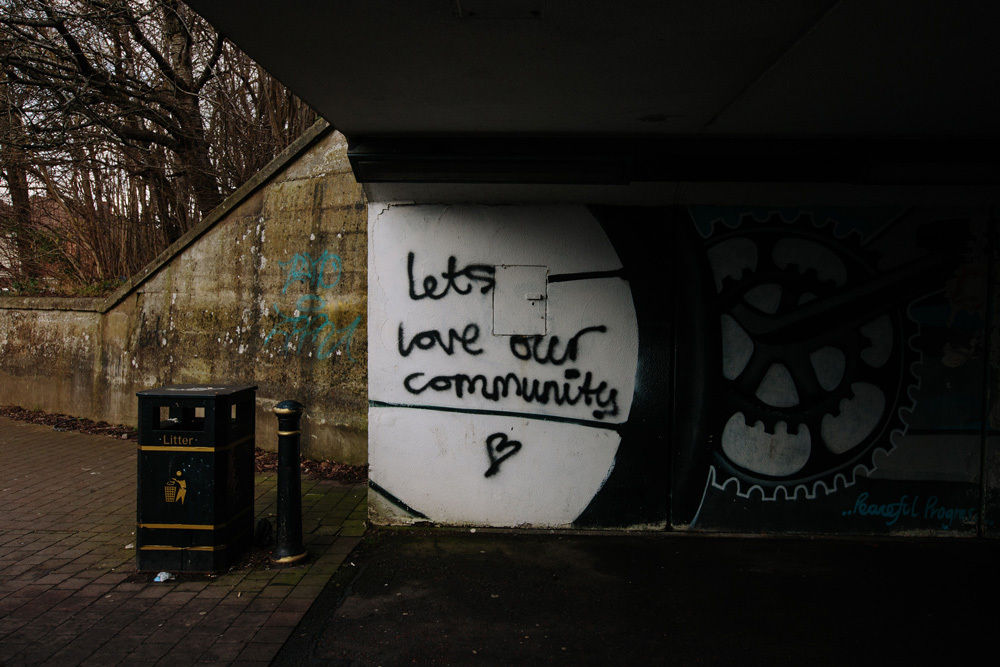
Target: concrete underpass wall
point(49, 350)
point(270, 290)
point(803, 369)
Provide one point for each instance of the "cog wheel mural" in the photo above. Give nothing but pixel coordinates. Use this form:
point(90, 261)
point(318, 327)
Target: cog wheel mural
point(815, 358)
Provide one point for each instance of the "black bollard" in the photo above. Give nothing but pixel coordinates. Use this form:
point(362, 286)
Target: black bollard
point(288, 538)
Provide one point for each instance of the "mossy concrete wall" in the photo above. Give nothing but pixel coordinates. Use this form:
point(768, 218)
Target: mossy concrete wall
point(271, 289)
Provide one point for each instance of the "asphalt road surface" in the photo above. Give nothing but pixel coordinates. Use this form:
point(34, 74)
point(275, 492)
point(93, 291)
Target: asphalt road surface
point(493, 598)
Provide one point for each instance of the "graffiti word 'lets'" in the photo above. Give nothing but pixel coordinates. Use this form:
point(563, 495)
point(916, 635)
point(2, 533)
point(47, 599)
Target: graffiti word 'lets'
point(459, 280)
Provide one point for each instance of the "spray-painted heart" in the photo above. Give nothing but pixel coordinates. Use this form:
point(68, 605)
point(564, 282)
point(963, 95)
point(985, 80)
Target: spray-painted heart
point(499, 449)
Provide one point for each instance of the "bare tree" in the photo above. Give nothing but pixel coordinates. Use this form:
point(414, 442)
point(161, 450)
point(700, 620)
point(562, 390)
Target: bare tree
point(130, 120)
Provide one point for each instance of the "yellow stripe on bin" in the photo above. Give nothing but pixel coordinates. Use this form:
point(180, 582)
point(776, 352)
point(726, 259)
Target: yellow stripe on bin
point(164, 547)
point(158, 448)
point(194, 526)
point(167, 547)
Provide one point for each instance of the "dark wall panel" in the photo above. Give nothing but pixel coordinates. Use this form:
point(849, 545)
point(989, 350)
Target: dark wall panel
point(851, 391)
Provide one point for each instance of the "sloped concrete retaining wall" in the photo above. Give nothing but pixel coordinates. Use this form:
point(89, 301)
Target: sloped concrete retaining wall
point(270, 289)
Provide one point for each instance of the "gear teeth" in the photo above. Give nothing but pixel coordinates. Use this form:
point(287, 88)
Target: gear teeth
point(724, 222)
point(853, 236)
point(773, 223)
point(725, 483)
point(749, 218)
point(770, 424)
point(807, 490)
point(884, 449)
point(848, 394)
point(835, 409)
point(776, 219)
point(822, 223)
point(803, 490)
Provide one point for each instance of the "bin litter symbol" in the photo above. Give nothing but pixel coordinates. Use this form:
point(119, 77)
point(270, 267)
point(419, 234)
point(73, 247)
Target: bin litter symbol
point(175, 490)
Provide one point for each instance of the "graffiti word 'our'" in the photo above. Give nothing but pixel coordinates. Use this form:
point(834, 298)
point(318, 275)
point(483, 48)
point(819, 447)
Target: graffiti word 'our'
point(320, 273)
point(452, 278)
point(545, 349)
point(910, 506)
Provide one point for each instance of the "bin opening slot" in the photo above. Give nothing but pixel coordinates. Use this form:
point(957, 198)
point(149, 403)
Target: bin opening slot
point(241, 417)
point(176, 416)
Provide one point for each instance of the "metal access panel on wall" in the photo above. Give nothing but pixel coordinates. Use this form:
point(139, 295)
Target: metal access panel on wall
point(519, 300)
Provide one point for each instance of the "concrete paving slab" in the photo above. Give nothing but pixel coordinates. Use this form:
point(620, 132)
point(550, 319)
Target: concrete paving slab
point(69, 593)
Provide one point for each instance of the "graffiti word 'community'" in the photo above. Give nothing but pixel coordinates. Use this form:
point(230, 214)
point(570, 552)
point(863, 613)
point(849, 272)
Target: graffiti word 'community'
point(529, 390)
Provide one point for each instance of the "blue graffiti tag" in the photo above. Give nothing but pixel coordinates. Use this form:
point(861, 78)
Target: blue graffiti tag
point(947, 516)
point(909, 506)
point(891, 512)
point(320, 273)
point(308, 324)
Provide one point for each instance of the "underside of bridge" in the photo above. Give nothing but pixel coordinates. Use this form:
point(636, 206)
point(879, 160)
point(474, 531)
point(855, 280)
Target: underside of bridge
point(721, 265)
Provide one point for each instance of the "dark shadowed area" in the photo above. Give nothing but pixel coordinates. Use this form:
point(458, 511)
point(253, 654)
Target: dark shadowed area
point(436, 597)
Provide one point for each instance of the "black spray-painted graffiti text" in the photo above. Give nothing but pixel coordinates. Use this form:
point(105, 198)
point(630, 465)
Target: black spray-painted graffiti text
point(499, 448)
point(426, 340)
point(529, 390)
point(454, 279)
point(534, 347)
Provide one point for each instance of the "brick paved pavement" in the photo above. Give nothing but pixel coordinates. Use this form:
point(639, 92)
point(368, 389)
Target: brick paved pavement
point(68, 589)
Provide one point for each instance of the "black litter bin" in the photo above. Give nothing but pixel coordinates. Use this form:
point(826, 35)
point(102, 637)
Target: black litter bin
point(194, 503)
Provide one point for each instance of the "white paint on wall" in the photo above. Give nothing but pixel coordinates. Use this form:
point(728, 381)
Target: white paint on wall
point(880, 334)
point(858, 417)
point(738, 348)
point(829, 364)
point(435, 462)
point(730, 258)
point(519, 300)
point(431, 345)
point(777, 389)
point(783, 452)
point(766, 298)
point(608, 350)
point(810, 255)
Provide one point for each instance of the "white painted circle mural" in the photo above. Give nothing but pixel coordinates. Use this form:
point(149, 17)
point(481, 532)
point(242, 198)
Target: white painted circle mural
point(517, 427)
